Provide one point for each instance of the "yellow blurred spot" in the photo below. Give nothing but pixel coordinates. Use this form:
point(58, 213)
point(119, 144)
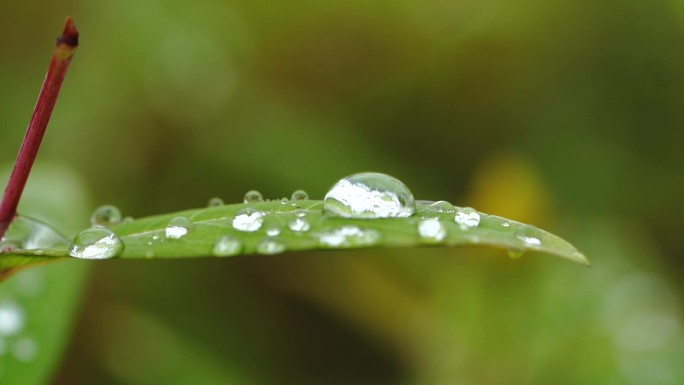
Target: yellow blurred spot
point(508, 185)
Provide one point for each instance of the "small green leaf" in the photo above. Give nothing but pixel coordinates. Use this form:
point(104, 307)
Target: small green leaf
point(37, 310)
point(277, 226)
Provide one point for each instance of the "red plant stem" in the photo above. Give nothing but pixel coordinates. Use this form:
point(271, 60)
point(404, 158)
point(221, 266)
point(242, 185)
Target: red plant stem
point(61, 58)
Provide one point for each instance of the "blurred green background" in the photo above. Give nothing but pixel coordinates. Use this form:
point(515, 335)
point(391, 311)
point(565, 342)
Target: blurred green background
point(568, 115)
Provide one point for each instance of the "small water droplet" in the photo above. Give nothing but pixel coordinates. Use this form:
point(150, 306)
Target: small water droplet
point(506, 224)
point(284, 201)
point(215, 202)
point(11, 319)
point(515, 253)
point(431, 230)
point(299, 195)
point(272, 231)
point(106, 216)
point(149, 254)
point(253, 196)
point(442, 207)
point(530, 235)
point(369, 195)
point(227, 246)
point(178, 227)
point(270, 246)
point(349, 236)
point(467, 217)
point(248, 220)
point(96, 243)
point(299, 225)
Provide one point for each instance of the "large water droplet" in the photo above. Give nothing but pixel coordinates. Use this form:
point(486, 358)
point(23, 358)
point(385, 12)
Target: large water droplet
point(299, 195)
point(178, 227)
point(215, 202)
point(467, 217)
point(248, 220)
point(270, 246)
point(299, 225)
point(530, 235)
point(431, 230)
point(106, 216)
point(369, 195)
point(349, 236)
point(227, 246)
point(253, 196)
point(96, 243)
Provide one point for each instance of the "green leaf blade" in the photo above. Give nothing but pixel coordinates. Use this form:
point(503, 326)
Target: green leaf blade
point(152, 237)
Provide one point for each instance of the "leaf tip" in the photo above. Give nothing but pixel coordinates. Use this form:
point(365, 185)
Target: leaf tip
point(580, 258)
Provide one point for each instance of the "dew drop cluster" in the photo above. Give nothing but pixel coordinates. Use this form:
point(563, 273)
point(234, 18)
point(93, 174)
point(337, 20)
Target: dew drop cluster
point(271, 226)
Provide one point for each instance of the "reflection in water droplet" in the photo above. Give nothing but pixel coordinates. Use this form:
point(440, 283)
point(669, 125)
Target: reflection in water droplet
point(248, 219)
point(467, 217)
point(530, 235)
point(227, 246)
point(215, 202)
point(253, 196)
point(299, 195)
point(270, 246)
point(299, 225)
point(369, 195)
point(25, 349)
point(442, 207)
point(11, 319)
point(349, 236)
point(431, 230)
point(106, 216)
point(178, 227)
point(96, 243)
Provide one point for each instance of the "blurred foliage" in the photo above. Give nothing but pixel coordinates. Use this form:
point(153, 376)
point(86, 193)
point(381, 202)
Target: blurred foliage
point(38, 306)
point(564, 114)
